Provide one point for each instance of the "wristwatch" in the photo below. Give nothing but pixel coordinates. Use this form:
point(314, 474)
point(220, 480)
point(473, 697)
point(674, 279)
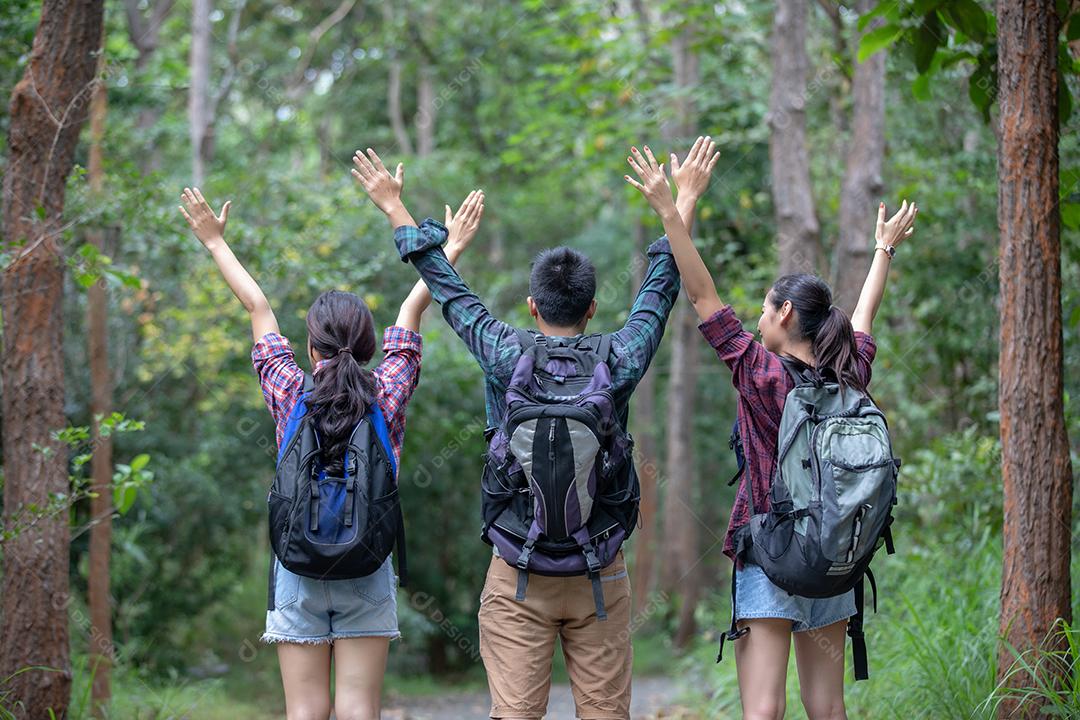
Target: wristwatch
point(890, 250)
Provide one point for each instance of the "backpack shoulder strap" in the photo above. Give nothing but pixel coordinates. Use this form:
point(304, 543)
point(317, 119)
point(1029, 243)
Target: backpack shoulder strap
point(309, 382)
point(382, 432)
point(796, 371)
point(525, 338)
point(599, 343)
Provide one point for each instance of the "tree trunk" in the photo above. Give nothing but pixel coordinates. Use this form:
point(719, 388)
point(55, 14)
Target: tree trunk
point(862, 185)
point(143, 32)
point(647, 460)
point(99, 643)
point(680, 523)
point(48, 108)
point(427, 111)
point(393, 90)
point(1035, 467)
point(680, 518)
point(199, 92)
point(798, 241)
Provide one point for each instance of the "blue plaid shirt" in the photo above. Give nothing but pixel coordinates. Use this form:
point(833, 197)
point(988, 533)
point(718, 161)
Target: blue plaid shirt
point(495, 344)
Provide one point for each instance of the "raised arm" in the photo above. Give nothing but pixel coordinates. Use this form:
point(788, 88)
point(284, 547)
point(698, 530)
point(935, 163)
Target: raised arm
point(483, 334)
point(654, 186)
point(888, 236)
point(210, 229)
point(462, 227)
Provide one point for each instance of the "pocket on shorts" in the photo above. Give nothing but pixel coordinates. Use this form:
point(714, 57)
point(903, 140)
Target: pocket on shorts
point(377, 587)
point(286, 586)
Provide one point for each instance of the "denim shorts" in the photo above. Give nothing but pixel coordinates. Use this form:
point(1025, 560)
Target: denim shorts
point(757, 597)
point(311, 611)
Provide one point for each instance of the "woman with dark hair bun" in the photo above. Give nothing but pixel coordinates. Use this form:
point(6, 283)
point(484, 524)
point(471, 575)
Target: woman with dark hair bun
point(349, 621)
point(799, 322)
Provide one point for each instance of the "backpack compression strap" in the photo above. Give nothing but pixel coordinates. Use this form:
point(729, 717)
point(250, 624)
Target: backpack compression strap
point(855, 627)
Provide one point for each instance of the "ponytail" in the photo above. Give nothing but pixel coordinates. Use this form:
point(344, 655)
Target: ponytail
point(835, 348)
point(340, 328)
point(828, 327)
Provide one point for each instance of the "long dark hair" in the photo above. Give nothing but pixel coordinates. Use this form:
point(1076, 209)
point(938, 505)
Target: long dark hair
point(341, 329)
point(826, 326)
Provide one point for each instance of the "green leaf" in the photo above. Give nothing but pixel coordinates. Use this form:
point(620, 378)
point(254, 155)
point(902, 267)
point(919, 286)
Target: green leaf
point(124, 497)
point(926, 40)
point(967, 17)
point(878, 39)
point(920, 88)
point(139, 462)
point(888, 9)
point(1073, 32)
point(1070, 218)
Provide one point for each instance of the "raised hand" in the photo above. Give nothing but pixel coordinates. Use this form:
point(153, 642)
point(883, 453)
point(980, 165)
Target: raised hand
point(654, 183)
point(383, 188)
point(898, 228)
point(692, 175)
point(465, 223)
point(208, 227)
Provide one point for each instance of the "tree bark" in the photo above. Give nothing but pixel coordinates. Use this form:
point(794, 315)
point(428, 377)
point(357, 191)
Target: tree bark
point(648, 459)
point(199, 91)
point(680, 524)
point(48, 108)
point(798, 241)
point(680, 518)
point(1035, 467)
point(393, 90)
point(99, 645)
point(426, 110)
point(144, 32)
point(862, 184)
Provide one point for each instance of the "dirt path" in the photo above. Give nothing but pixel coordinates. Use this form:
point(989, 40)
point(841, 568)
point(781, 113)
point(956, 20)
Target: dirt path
point(652, 698)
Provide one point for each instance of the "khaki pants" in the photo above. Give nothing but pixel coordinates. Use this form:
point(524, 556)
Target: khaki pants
point(517, 641)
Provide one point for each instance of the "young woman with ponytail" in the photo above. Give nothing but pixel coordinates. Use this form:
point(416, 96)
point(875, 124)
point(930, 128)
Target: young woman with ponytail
point(348, 622)
point(799, 321)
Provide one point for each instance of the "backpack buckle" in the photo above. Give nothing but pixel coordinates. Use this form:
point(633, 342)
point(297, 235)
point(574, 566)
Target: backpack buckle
point(590, 558)
point(526, 552)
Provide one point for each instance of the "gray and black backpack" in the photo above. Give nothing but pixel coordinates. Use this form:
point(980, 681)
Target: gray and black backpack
point(831, 499)
point(560, 493)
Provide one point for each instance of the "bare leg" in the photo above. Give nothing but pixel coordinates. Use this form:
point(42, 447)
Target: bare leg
point(359, 667)
point(819, 655)
point(761, 659)
point(305, 673)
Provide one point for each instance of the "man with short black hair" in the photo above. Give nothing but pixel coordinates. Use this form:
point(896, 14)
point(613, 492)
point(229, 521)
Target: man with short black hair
point(517, 637)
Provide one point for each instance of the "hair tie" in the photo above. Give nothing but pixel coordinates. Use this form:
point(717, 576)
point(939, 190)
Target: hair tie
point(345, 350)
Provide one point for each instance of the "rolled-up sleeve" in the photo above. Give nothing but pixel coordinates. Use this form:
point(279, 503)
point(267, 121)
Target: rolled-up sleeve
point(411, 239)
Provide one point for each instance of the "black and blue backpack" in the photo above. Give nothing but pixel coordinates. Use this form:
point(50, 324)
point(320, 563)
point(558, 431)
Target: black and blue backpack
point(335, 527)
point(559, 492)
point(830, 499)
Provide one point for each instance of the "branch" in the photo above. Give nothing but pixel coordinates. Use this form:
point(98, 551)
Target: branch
point(315, 36)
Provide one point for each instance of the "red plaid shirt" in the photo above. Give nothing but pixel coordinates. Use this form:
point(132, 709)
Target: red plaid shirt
point(763, 385)
point(396, 377)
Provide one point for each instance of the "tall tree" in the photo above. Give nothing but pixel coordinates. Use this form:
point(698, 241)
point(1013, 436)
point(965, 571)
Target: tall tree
point(199, 123)
point(144, 32)
point(1035, 467)
point(648, 457)
point(99, 643)
point(798, 241)
point(862, 183)
point(48, 108)
point(680, 523)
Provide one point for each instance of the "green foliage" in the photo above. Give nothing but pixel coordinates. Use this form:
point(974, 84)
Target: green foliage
point(538, 103)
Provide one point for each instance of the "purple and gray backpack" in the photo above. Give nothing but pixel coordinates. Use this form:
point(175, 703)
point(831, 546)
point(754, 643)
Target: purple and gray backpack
point(560, 492)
